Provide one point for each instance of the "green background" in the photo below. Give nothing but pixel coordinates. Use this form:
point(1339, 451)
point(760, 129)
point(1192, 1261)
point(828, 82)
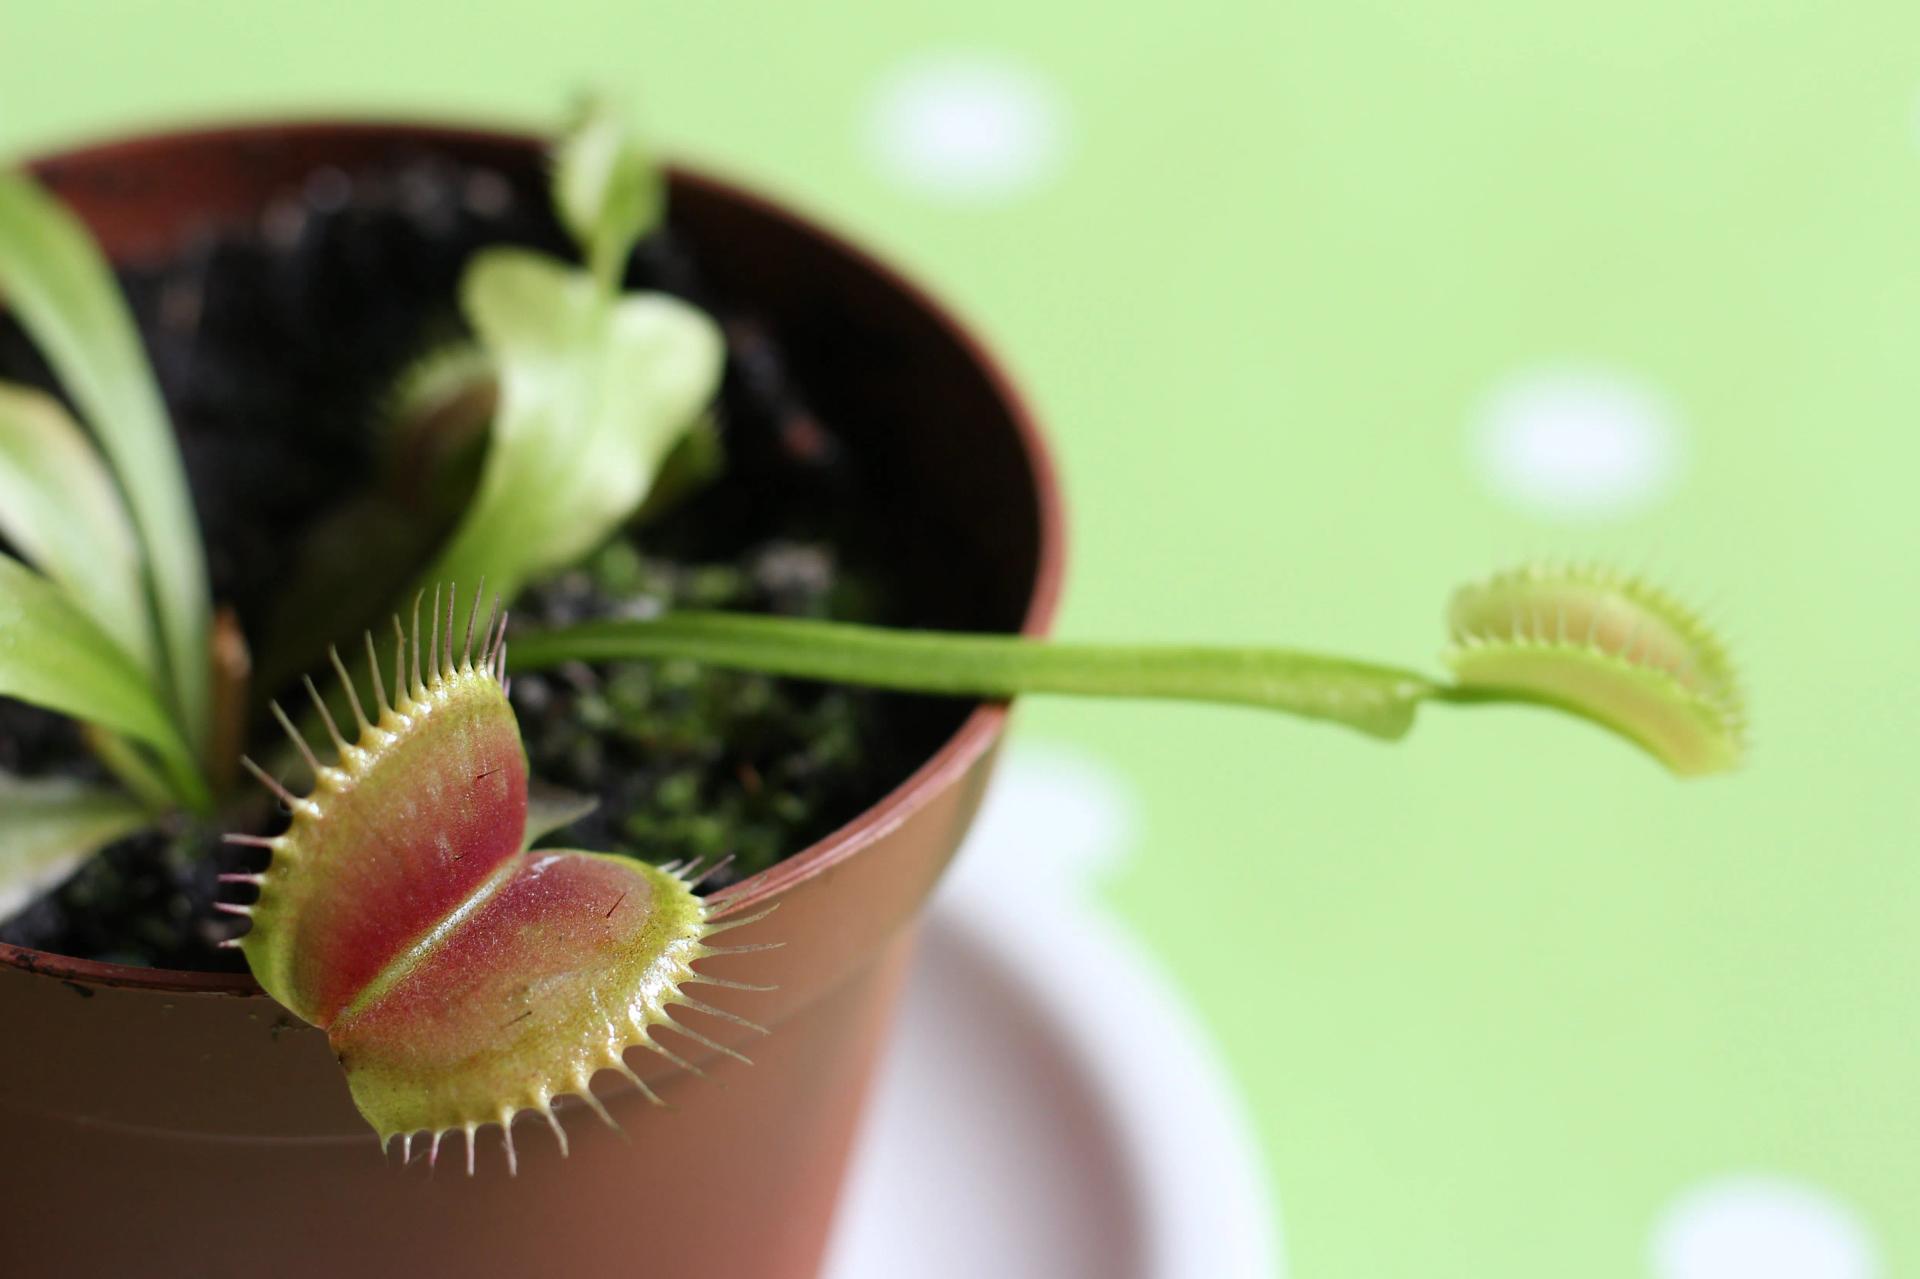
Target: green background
point(1500, 993)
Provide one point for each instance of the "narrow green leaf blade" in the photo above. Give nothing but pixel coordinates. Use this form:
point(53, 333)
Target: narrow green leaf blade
point(595, 393)
point(1377, 700)
point(55, 656)
point(606, 190)
point(56, 280)
point(48, 826)
point(60, 509)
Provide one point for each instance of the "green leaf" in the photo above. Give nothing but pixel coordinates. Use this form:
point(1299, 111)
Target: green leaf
point(60, 509)
point(594, 394)
point(460, 978)
point(57, 281)
point(695, 462)
point(1376, 700)
point(132, 766)
point(606, 190)
point(1586, 640)
point(48, 826)
point(1609, 647)
point(55, 656)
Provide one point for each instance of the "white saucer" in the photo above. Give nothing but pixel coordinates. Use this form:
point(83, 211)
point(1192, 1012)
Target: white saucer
point(1049, 1108)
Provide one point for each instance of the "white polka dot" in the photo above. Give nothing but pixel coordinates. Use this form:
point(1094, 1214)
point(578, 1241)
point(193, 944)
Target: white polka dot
point(1577, 443)
point(1760, 1227)
point(966, 128)
point(1055, 815)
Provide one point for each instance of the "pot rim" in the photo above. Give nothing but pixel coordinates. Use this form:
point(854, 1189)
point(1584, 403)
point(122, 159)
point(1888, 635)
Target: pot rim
point(976, 734)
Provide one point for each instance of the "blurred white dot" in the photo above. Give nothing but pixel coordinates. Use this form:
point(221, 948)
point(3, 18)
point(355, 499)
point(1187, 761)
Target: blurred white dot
point(1577, 443)
point(1054, 815)
point(966, 127)
point(1758, 1227)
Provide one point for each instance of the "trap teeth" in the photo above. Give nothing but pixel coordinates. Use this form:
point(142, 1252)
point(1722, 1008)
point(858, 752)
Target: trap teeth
point(1609, 647)
point(439, 1036)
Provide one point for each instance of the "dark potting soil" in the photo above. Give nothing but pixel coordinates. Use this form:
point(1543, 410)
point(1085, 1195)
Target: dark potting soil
point(277, 346)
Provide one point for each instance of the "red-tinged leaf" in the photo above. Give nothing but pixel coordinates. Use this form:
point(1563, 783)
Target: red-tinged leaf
point(459, 979)
point(573, 960)
point(412, 820)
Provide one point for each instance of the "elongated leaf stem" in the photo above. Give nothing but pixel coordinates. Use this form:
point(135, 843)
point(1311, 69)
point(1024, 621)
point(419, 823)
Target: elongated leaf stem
point(1377, 700)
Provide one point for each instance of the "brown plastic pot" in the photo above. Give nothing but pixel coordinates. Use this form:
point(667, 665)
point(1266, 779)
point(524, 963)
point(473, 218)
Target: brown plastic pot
point(176, 1123)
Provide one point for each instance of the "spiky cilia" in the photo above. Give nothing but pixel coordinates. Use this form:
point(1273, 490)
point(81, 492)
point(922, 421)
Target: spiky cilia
point(461, 979)
point(1607, 646)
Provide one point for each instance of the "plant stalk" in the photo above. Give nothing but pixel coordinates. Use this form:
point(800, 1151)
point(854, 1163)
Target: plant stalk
point(1377, 700)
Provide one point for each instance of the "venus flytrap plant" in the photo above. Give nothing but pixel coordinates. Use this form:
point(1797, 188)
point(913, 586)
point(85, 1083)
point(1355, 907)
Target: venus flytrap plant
point(112, 628)
point(595, 393)
point(606, 190)
point(596, 388)
point(588, 400)
point(1606, 646)
point(52, 825)
point(61, 510)
point(464, 980)
point(1596, 643)
point(59, 284)
point(53, 655)
point(582, 393)
point(115, 633)
point(463, 977)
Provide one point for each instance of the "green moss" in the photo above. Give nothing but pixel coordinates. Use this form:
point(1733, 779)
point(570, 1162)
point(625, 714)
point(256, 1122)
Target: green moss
point(691, 762)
